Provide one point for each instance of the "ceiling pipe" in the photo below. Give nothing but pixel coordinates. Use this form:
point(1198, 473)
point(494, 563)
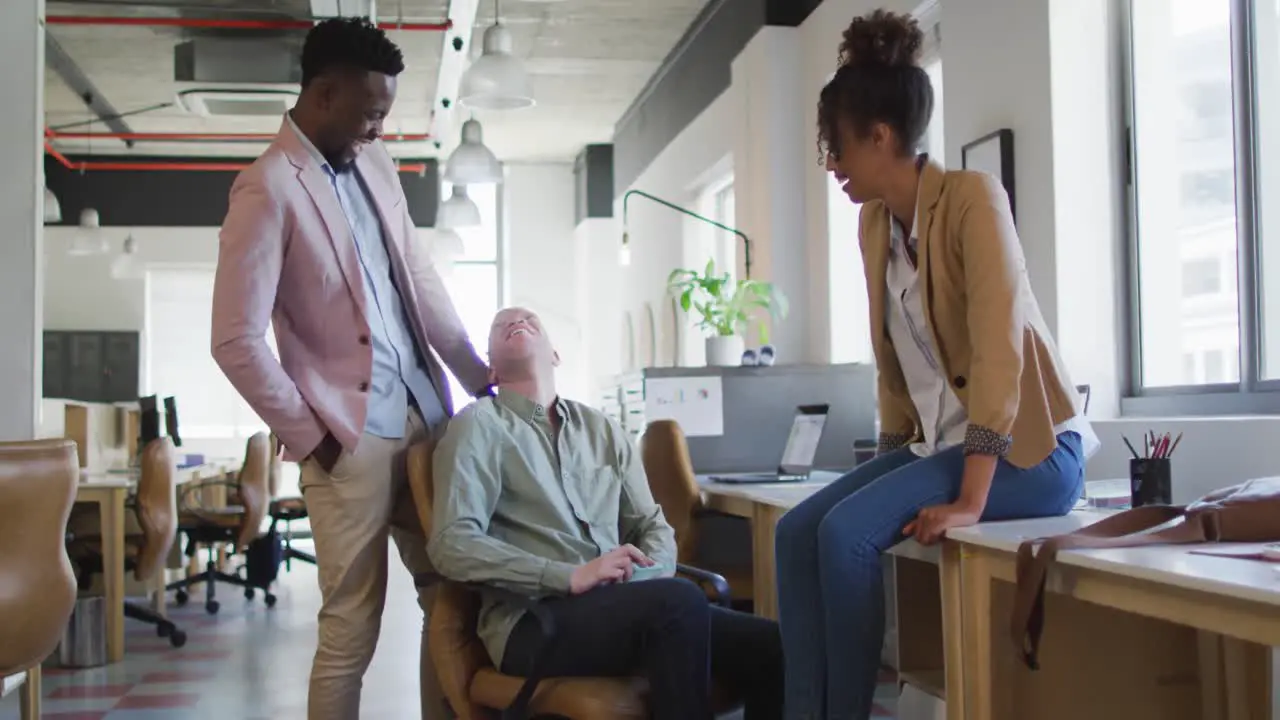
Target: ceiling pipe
point(226, 24)
point(203, 137)
point(180, 166)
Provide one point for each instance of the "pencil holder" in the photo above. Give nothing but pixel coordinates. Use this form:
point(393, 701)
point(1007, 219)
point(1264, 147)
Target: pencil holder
point(1150, 481)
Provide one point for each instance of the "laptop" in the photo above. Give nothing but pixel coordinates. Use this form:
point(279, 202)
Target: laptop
point(797, 456)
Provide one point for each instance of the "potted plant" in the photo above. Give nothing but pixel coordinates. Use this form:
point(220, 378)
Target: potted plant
point(724, 308)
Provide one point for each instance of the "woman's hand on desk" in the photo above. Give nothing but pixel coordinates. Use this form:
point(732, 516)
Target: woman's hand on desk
point(933, 521)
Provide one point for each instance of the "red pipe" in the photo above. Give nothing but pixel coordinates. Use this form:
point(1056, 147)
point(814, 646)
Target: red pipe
point(233, 24)
point(108, 165)
point(205, 137)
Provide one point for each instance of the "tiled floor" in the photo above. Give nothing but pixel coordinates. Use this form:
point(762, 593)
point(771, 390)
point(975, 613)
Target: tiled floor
point(250, 663)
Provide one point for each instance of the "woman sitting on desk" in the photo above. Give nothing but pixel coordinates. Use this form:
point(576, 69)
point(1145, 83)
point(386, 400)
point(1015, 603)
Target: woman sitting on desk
point(978, 420)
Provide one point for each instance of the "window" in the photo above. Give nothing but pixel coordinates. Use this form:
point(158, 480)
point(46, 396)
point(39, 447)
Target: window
point(474, 280)
point(715, 201)
point(1205, 94)
point(1202, 276)
point(179, 307)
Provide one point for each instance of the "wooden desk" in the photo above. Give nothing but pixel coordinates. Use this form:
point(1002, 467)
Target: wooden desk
point(109, 491)
point(1140, 633)
point(763, 504)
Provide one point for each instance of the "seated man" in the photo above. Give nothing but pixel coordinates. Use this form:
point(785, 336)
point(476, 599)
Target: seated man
point(547, 497)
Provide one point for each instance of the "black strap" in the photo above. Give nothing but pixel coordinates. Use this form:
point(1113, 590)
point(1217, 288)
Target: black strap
point(519, 707)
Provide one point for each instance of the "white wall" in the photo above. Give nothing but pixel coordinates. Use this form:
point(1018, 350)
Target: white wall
point(21, 209)
point(678, 174)
point(542, 260)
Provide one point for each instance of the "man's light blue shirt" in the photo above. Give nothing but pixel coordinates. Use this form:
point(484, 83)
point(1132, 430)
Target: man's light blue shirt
point(399, 371)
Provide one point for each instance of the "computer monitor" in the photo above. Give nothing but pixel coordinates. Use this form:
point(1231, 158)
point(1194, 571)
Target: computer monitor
point(171, 421)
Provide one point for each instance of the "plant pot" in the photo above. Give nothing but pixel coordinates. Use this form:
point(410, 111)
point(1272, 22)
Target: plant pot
point(724, 351)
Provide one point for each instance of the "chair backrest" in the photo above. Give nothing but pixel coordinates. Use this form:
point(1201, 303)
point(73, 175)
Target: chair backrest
point(38, 483)
point(157, 507)
point(277, 468)
point(254, 482)
point(455, 647)
point(665, 454)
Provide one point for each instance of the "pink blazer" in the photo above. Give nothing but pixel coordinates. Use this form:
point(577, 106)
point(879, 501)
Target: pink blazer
point(287, 257)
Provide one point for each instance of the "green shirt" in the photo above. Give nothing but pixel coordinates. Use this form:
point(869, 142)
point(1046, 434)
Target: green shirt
point(519, 506)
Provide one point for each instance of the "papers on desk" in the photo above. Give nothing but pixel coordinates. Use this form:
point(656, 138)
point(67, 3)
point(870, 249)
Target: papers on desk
point(695, 403)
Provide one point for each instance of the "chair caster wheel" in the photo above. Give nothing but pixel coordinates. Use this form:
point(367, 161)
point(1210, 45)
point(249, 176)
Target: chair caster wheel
point(248, 593)
point(180, 598)
point(211, 607)
point(177, 638)
point(269, 599)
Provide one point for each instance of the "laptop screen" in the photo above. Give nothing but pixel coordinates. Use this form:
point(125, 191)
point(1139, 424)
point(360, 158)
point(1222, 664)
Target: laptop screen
point(802, 443)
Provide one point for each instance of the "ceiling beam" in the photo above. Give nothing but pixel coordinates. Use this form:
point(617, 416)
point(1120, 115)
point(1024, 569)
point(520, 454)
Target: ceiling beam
point(455, 56)
point(61, 63)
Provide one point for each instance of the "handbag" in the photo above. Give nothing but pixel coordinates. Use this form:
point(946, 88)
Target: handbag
point(1247, 513)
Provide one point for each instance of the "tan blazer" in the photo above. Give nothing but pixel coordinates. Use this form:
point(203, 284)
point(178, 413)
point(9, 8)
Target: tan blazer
point(992, 341)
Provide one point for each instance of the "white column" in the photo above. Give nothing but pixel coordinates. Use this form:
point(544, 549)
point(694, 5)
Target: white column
point(1088, 190)
point(769, 186)
point(21, 216)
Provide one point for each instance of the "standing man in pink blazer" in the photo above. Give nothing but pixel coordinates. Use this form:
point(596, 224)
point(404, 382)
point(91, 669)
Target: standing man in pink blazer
point(318, 243)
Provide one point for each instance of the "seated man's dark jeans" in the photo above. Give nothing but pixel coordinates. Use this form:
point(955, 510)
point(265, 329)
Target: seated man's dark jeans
point(666, 632)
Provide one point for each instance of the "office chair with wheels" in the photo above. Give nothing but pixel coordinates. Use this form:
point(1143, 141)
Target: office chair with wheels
point(474, 688)
point(286, 510)
point(151, 527)
point(236, 524)
point(38, 481)
point(665, 455)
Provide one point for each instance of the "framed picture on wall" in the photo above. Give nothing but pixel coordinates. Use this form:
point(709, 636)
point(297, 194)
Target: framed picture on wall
point(993, 154)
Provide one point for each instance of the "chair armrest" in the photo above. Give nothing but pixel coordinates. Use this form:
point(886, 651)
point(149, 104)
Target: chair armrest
point(718, 584)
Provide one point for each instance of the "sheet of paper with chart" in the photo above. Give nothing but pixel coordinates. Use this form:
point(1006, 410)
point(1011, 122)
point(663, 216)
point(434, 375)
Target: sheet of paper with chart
point(695, 403)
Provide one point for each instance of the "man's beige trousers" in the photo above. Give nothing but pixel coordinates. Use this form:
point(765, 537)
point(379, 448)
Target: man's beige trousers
point(353, 510)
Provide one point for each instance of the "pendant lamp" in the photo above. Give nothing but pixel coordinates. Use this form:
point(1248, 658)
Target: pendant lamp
point(459, 211)
point(472, 163)
point(497, 80)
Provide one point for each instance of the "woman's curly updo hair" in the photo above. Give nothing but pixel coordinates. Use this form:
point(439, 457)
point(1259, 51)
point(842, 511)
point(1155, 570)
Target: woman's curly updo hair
point(879, 81)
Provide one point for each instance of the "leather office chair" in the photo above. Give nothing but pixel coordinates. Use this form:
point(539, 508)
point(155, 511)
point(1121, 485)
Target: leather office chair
point(38, 482)
point(237, 524)
point(473, 687)
point(286, 509)
point(665, 455)
point(150, 532)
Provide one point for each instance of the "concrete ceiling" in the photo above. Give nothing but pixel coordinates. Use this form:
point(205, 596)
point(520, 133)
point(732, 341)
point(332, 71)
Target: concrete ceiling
point(588, 59)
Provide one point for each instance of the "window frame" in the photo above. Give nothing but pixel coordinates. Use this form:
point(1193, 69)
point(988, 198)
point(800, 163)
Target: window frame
point(1253, 395)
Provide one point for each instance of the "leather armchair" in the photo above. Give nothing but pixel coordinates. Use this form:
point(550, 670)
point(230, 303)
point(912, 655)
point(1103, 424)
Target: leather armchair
point(473, 687)
point(38, 482)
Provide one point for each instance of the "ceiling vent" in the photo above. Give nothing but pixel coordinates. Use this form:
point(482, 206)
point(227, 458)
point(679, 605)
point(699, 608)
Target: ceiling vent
point(236, 77)
point(237, 102)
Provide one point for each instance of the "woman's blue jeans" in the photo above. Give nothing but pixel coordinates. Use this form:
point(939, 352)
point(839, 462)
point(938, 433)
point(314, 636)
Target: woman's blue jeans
point(830, 582)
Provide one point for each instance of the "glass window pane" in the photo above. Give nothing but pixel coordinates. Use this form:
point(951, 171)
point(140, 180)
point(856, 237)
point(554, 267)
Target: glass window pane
point(1266, 135)
point(726, 250)
point(1184, 149)
point(473, 287)
point(480, 242)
